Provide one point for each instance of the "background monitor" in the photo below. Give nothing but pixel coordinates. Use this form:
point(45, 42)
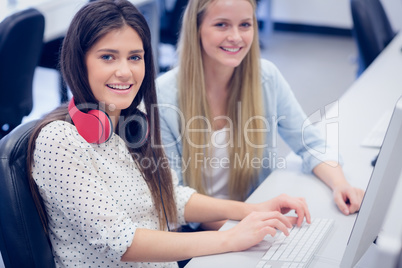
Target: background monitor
point(379, 192)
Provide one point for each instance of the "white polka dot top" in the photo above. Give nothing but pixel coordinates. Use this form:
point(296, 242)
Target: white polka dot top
point(95, 198)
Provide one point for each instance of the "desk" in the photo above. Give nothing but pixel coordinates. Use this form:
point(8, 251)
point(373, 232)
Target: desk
point(375, 92)
point(59, 13)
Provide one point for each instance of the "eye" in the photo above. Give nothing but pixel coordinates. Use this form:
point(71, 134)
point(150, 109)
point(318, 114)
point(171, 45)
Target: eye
point(107, 57)
point(246, 25)
point(136, 58)
point(221, 24)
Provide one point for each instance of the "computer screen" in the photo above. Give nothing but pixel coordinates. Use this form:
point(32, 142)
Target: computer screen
point(379, 192)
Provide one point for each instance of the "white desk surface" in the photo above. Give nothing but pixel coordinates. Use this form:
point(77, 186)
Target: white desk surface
point(375, 92)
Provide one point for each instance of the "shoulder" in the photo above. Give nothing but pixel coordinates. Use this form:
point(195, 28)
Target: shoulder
point(60, 133)
point(166, 86)
point(268, 70)
point(275, 88)
point(55, 129)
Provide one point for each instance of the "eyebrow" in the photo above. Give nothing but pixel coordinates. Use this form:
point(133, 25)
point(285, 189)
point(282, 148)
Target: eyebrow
point(116, 51)
point(226, 19)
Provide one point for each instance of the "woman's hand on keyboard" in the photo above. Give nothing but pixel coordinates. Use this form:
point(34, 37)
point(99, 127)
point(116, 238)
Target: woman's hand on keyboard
point(253, 228)
point(285, 203)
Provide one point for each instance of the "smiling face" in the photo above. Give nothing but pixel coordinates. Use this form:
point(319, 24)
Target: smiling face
point(116, 69)
point(226, 32)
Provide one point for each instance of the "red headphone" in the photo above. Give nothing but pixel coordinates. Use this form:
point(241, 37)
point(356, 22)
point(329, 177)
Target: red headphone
point(95, 126)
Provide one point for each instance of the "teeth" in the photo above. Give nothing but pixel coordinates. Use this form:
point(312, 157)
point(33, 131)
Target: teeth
point(231, 49)
point(119, 86)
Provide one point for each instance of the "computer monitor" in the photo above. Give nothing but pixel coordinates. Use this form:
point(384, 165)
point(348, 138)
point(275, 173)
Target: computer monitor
point(379, 192)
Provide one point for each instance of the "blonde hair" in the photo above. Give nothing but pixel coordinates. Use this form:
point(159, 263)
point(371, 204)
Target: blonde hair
point(245, 88)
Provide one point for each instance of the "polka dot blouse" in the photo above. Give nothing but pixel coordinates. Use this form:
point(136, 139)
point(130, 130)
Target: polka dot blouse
point(95, 198)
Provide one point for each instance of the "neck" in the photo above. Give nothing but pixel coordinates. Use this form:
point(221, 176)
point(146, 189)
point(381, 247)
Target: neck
point(217, 79)
point(114, 117)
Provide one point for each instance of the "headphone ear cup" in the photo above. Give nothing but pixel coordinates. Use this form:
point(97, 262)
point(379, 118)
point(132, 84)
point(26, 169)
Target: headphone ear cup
point(105, 127)
point(136, 129)
point(94, 126)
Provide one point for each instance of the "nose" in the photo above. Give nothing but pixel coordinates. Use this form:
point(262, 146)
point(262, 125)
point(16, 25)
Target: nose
point(123, 70)
point(234, 35)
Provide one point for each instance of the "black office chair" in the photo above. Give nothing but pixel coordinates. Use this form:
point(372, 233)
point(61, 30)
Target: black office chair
point(23, 241)
point(372, 30)
point(50, 59)
point(170, 30)
point(21, 38)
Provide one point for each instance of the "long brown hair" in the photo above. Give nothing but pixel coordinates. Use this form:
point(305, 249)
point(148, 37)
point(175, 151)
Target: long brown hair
point(89, 25)
point(245, 88)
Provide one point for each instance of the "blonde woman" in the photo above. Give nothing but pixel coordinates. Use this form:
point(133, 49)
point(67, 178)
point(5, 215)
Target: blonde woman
point(222, 107)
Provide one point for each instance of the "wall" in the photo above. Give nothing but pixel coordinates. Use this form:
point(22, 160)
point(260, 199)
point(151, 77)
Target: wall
point(331, 13)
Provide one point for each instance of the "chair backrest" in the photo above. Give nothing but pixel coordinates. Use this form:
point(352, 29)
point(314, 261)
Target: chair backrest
point(371, 30)
point(23, 241)
point(21, 39)
point(171, 30)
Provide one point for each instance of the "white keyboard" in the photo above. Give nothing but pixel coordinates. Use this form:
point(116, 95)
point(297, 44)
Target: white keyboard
point(376, 135)
point(297, 249)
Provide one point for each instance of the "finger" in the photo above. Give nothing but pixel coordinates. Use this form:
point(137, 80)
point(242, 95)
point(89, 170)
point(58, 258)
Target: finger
point(268, 230)
point(353, 203)
point(285, 221)
point(262, 220)
point(339, 201)
point(306, 210)
point(302, 212)
point(292, 219)
point(355, 200)
point(361, 194)
point(276, 223)
point(295, 204)
point(275, 215)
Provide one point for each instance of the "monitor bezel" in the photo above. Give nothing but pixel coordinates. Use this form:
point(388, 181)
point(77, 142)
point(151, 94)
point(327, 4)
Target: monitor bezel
point(379, 192)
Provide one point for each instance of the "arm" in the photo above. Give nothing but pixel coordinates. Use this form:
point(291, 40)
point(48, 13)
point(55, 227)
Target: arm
point(257, 222)
point(151, 245)
point(307, 142)
point(347, 198)
point(171, 139)
point(171, 120)
point(213, 225)
point(201, 208)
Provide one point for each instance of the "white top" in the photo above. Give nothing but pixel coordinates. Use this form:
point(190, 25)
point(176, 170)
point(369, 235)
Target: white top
point(216, 165)
point(95, 198)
